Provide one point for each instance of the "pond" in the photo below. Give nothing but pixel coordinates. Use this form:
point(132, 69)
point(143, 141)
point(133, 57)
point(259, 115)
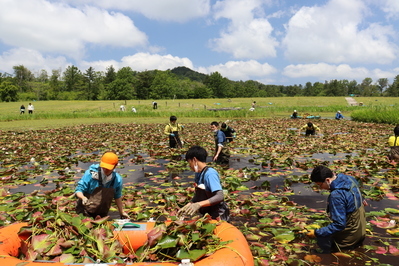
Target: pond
point(267, 179)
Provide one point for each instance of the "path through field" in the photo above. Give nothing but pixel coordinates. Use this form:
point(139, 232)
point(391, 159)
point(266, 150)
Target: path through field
point(351, 101)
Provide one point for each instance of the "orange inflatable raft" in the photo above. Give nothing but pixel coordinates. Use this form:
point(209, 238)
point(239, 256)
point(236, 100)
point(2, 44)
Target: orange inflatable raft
point(236, 253)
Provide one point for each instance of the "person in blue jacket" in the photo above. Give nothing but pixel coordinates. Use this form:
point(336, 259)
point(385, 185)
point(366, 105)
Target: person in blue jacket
point(100, 179)
point(339, 116)
point(345, 208)
point(208, 197)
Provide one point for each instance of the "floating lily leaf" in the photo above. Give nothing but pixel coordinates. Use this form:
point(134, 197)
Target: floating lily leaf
point(391, 210)
point(285, 238)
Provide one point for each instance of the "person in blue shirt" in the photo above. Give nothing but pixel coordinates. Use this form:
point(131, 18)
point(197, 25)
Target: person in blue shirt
point(100, 179)
point(222, 153)
point(339, 116)
point(208, 197)
point(346, 211)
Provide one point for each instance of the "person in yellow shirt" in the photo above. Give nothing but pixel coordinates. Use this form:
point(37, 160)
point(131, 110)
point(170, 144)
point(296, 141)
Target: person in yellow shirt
point(172, 130)
point(310, 129)
point(393, 142)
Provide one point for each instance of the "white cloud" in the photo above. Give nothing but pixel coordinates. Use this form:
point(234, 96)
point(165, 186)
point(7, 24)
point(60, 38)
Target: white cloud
point(163, 10)
point(391, 7)
point(247, 36)
point(146, 61)
point(140, 62)
point(57, 28)
point(323, 71)
point(241, 70)
point(378, 73)
point(31, 59)
point(338, 33)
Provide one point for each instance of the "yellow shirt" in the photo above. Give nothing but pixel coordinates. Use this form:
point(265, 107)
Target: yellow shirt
point(391, 141)
point(305, 127)
point(170, 128)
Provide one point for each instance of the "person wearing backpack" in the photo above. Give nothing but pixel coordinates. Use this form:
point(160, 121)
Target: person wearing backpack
point(229, 132)
point(345, 208)
point(172, 130)
point(222, 152)
point(99, 185)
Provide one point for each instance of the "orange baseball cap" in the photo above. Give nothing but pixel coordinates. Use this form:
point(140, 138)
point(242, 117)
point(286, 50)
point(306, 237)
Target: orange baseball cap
point(109, 160)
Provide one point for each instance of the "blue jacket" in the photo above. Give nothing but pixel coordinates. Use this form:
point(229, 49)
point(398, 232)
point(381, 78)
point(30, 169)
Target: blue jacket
point(345, 198)
point(87, 184)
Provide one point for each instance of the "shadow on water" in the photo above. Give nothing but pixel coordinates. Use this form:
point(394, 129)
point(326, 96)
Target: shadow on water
point(141, 171)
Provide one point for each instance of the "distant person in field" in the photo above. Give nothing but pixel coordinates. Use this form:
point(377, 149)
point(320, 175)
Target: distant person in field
point(222, 153)
point(22, 109)
point(310, 129)
point(154, 105)
point(134, 110)
point(339, 116)
point(294, 114)
point(253, 105)
point(229, 132)
point(30, 108)
point(393, 142)
point(122, 108)
point(172, 130)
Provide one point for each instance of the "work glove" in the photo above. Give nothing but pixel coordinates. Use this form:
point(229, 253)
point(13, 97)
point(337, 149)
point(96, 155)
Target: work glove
point(190, 208)
point(124, 215)
point(85, 200)
point(311, 234)
point(172, 135)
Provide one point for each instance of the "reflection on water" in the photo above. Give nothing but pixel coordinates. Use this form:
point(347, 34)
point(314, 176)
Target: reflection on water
point(143, 169)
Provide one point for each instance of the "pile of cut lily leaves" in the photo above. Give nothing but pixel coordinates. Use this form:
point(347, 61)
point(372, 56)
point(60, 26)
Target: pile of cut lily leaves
point(70, 238)
point(268, 190)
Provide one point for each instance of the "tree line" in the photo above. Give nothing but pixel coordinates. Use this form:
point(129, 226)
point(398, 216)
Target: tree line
point(178, 83)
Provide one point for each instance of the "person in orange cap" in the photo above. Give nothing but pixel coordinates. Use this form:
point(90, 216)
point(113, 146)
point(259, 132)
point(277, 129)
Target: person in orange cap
point(98, 186)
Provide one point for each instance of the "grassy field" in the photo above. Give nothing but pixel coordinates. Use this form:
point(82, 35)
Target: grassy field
point(51, 114)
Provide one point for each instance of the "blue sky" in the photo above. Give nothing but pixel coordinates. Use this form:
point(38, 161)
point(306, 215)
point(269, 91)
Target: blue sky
point(283, 42)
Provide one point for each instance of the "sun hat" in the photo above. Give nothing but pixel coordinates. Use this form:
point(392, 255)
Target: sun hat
point(109, 160)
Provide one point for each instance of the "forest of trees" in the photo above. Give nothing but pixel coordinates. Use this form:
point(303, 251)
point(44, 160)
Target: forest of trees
point(179, 83)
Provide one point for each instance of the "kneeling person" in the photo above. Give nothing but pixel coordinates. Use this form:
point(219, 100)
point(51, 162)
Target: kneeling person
point(98, 186)
point(345, 208)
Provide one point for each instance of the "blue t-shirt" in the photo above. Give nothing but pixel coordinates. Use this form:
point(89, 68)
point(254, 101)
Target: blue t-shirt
point(210, 179)
point(220, 137)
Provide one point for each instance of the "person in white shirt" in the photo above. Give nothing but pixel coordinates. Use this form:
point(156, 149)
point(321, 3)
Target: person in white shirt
point(30, 108)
